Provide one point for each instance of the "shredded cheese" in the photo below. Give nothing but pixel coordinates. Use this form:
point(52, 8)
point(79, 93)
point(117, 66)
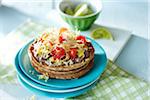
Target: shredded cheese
point(50, 40)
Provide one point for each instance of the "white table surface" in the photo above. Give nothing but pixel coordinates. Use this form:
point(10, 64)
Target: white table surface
point(128, 15)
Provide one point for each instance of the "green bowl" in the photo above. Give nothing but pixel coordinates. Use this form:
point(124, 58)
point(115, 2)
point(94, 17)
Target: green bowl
point(80, 22)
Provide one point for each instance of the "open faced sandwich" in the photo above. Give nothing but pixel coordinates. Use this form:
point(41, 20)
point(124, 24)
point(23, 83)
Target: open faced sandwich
point(61, 54)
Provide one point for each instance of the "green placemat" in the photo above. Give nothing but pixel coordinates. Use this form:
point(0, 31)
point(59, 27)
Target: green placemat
point(114, 84)
point(117, 84)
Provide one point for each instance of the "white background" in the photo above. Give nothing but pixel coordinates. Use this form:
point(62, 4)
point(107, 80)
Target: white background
point(128, 14)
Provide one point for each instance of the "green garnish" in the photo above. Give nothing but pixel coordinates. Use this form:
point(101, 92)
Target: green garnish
point(43, 77)
point(80, 52)
point(102, 33)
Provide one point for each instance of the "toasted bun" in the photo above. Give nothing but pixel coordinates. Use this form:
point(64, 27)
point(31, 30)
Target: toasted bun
point(61, 54)
point(62, 72)
point(65, 74)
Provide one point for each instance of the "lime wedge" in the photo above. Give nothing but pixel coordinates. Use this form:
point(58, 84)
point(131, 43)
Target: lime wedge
point(101, 33)
point(69, 11)
point(78, 7)
point(82, 10)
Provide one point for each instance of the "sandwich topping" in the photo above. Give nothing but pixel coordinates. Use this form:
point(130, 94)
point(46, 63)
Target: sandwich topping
point(61, 47)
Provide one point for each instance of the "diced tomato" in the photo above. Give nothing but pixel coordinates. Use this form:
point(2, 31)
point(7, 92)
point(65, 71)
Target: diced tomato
point(61, 39)
point(82, 38)
point(41, 40)
point(73, 53)
point(63, 29)
point(58, 53)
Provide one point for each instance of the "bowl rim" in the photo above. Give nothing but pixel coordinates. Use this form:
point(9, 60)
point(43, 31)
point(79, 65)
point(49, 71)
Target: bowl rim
point(77, 17)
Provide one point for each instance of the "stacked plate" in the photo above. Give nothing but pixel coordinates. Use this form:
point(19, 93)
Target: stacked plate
point(58, 88)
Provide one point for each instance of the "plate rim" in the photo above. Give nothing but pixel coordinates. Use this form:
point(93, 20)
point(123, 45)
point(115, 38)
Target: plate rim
point(55, 95)
point(45, 88)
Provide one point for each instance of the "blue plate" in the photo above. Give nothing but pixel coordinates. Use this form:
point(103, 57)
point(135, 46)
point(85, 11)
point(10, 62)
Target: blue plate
point(42, 87)
point(100, 61)
point(54, 95)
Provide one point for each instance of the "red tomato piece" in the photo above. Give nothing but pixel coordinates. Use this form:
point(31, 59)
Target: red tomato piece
point(73, 53)
point(82, 38)
point(58, 53)
point(61, 39)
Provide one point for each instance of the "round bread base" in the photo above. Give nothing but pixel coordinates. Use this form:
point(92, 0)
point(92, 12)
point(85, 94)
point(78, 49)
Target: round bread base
point(76, 74)
point(61, 67)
